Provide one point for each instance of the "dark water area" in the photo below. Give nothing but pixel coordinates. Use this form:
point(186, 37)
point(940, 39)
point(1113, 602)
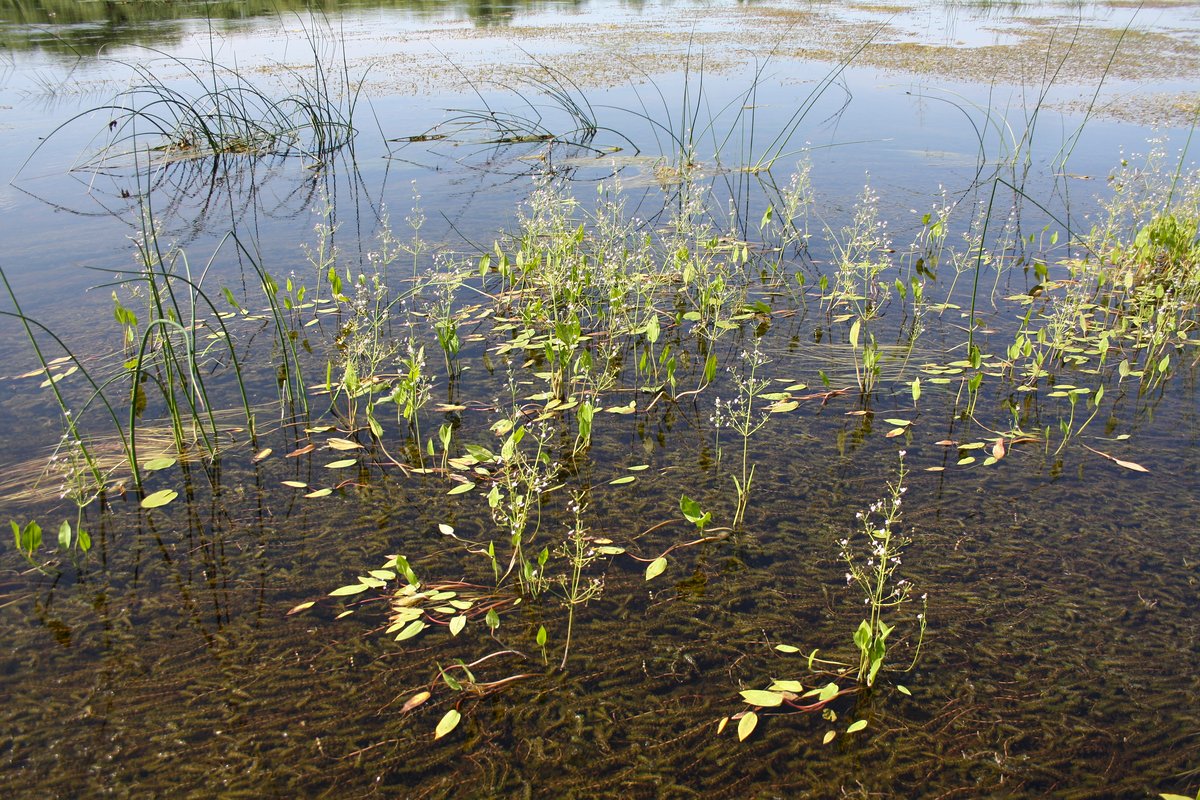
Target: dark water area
point(1058, 584)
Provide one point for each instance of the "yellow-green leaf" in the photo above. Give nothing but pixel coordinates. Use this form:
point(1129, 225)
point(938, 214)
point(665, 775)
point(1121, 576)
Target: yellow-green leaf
point(354, 588)
point(855, 727)
point(462, 488)
point(343, 444)
point(746, 725)
point(159, 498)
point(345, 462)
point(656, 567)
point(448, 723)
point(760, 697)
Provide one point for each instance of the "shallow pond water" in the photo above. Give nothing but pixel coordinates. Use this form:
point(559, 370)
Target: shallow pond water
point(1060, 579)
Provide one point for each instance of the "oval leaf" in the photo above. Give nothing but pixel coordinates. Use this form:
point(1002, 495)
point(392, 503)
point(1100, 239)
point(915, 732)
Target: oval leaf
point(457, 624)
point(448, 723)
point(855, 727)
point(462, 488)
point(343, 444)
point(159, 498)
point(414, 701)
point(354, 588)
point(656, 567)
point(746, 725)
point(761, 697)
point(345, 462)
point(156, 464)
point(411, 630)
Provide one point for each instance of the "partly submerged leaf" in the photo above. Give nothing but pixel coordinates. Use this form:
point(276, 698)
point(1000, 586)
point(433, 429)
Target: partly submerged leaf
point(746, 725)
point(159, 498)
point(343, 444)
point(448, 723)
point(656, 567)
point(299, 608)
point(262, 455)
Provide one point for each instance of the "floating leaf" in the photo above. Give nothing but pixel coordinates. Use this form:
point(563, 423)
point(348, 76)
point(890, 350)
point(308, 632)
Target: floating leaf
point(903, 689)
point(414, 701)
point(295, 484)
point(343, 444)
point(299, 608)
point(462, 488)
point(308, 448)
point(894, 432)
point(345, 462)
point(354, 588)
point(783, 407)
point(320, 492)
point(262, 455)
point(787, 686)
point(827, 692)
point(1119, 462)
point(156, 464)
point(638, 468)
point(746, 725)
point(622, 480)
point(656, 567)
point(855, 727)
point(829, 736)
point(457, 623)
point(904, 423)
point(382, 574)
point(787, 648)
point(159, 498)
point(411, 630)
point(760, 697)
point(448, 723)
point(721, 725)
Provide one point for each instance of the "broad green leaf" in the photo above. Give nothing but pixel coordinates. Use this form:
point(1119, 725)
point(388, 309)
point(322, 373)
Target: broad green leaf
point(382, 574)
point(345, 462)
point(854, 328)
point(855, 727)
point(541, 636)
point(159, 498)
point(448, 723)
point(343, 444)
point(656, 568)
point(457, 623)
point(354, 588)
point(903, 690)
point(411, 630)
point(828, 692)
point(787, 648)
point(787, 686)
point(759, 697)
point(64, 535)
point(462, 488)
point(746, 725)
point(622, 480)
point(320, 493)
point(901, 422)
point(155, 464)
